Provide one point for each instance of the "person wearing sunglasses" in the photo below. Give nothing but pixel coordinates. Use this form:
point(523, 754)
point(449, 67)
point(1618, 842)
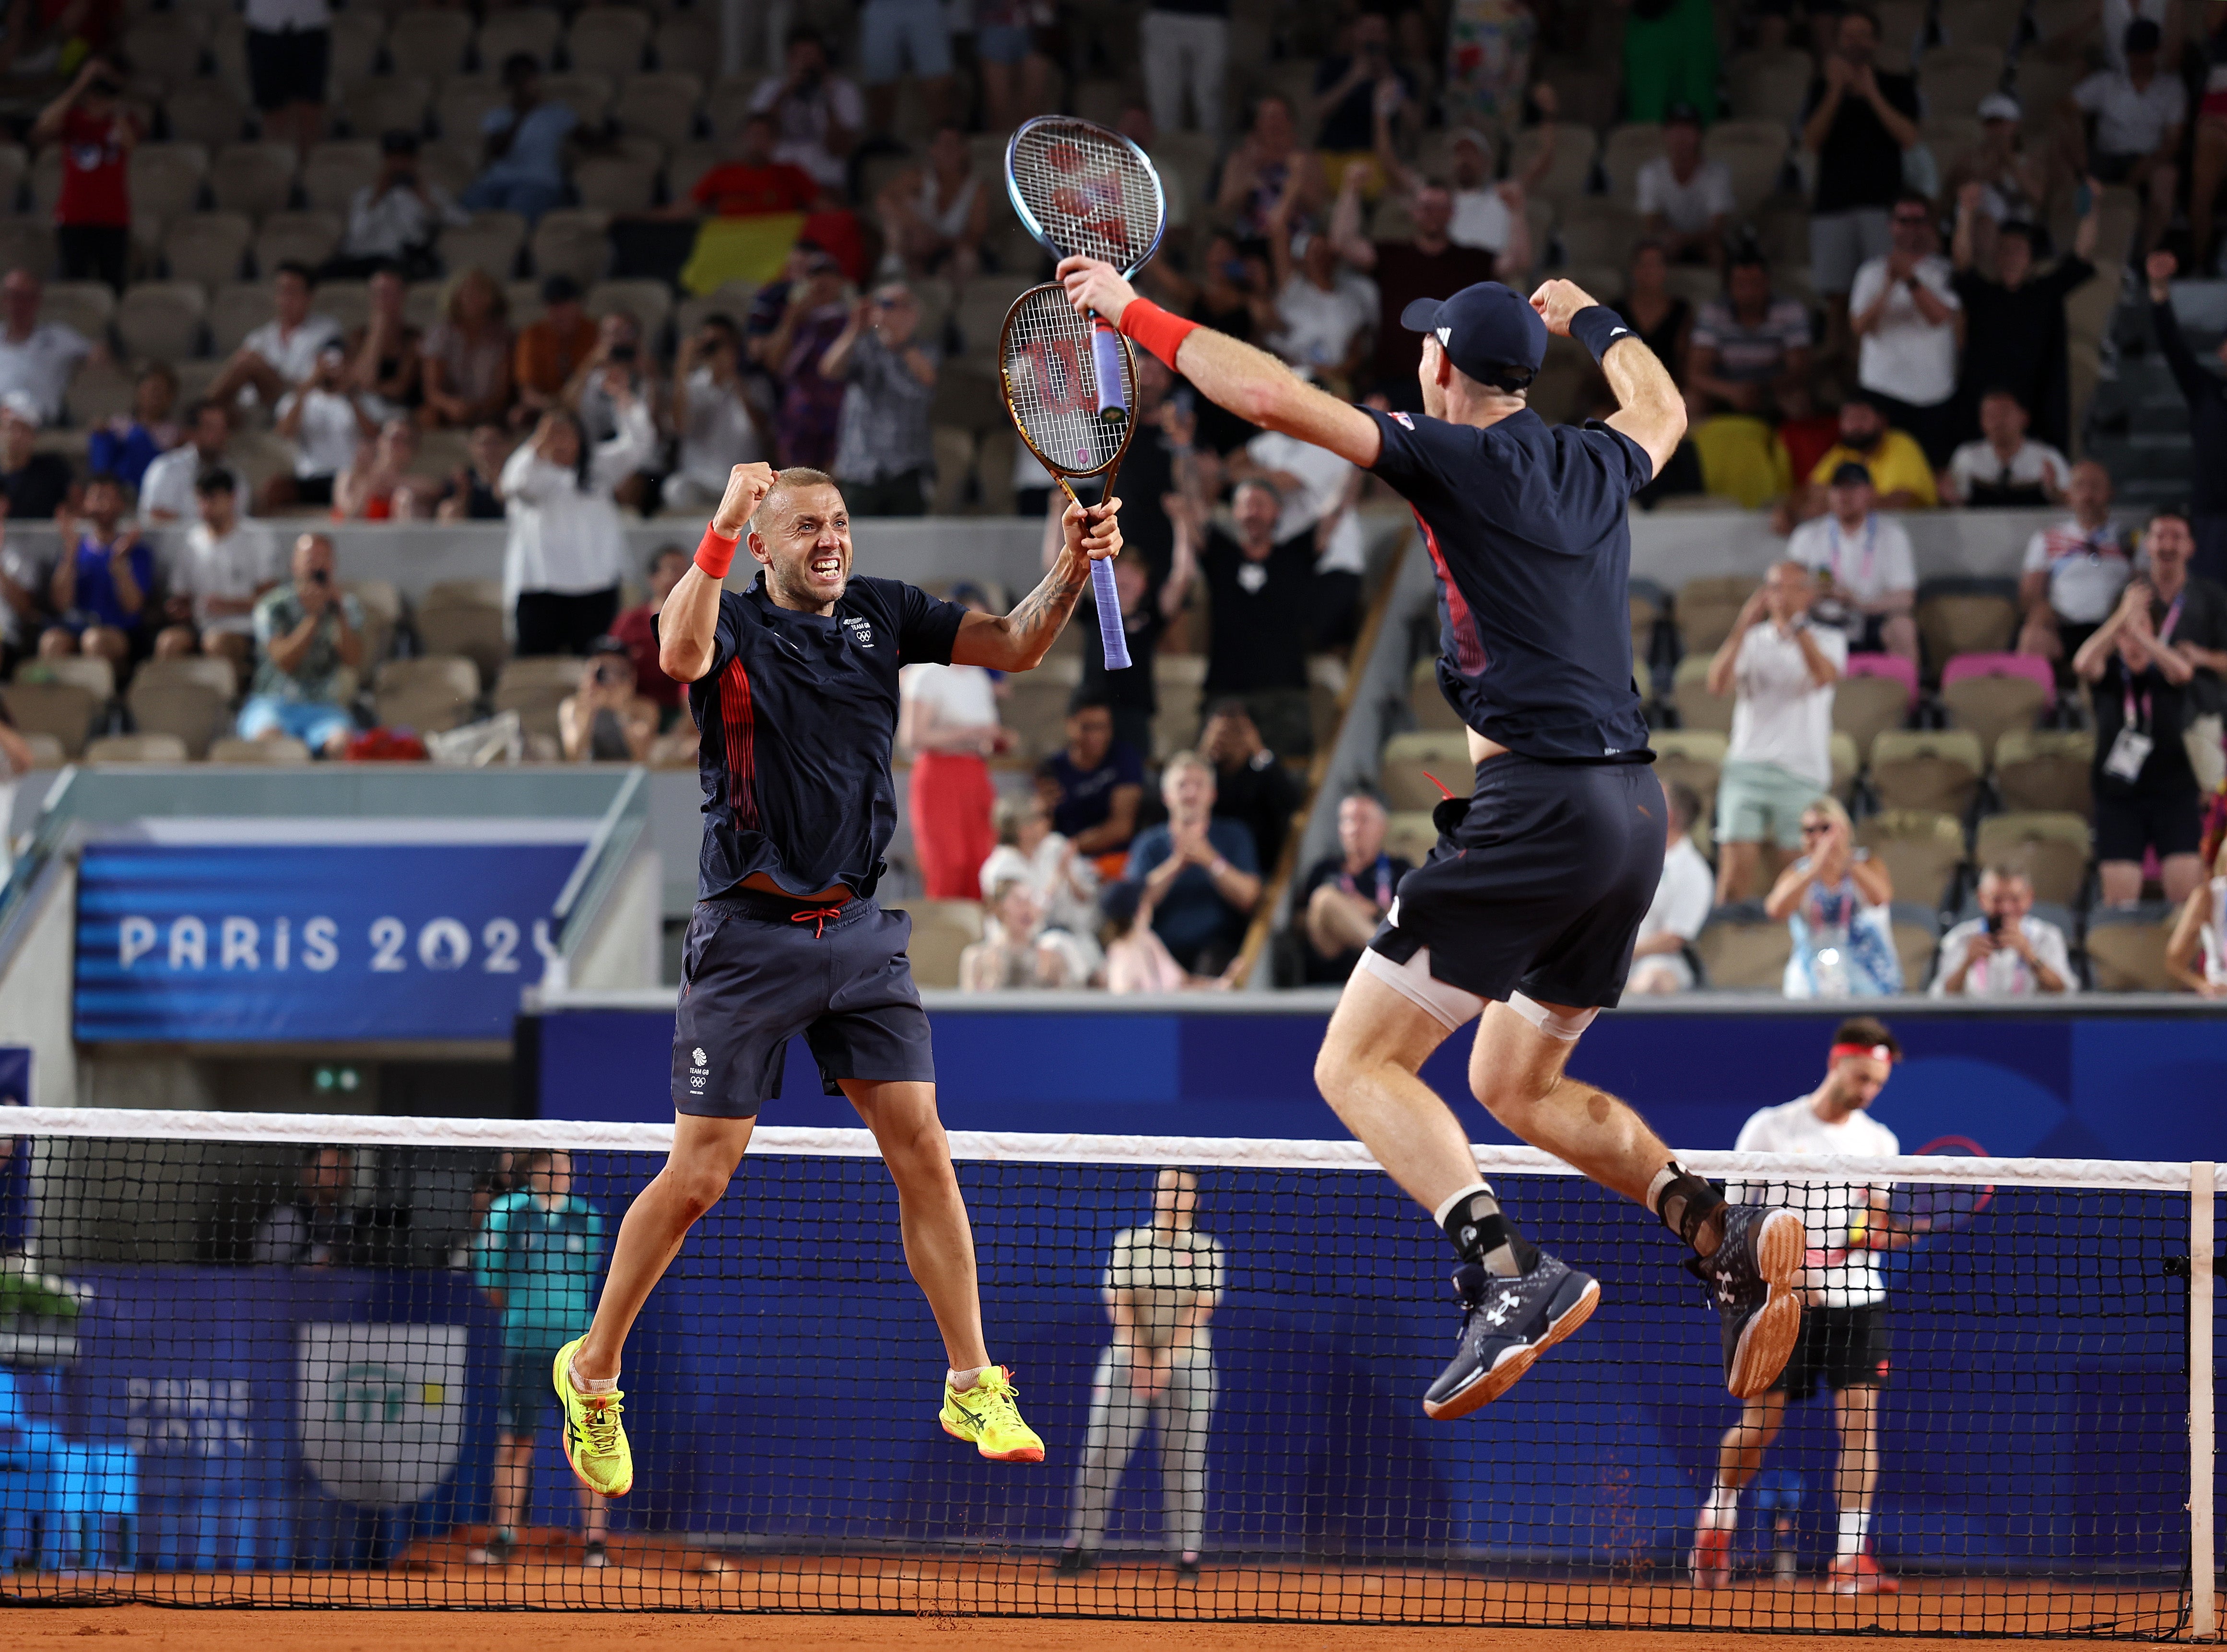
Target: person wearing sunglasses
point(1834, 899)
point(1909, 325)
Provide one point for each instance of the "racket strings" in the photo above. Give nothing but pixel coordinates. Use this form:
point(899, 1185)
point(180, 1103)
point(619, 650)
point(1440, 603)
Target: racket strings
point(1089, 192)
point(1051, 385)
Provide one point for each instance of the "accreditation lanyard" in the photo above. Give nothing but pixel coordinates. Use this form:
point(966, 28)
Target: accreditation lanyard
point(1384, 882)
point(1871, 541)
point(2164, 636)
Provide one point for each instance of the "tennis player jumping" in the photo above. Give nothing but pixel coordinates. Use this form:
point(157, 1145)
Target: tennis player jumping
point(794, 684)
point(1527, 908)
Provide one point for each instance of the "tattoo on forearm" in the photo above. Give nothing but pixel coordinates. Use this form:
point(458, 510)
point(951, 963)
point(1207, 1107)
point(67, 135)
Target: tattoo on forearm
point(1045, 611)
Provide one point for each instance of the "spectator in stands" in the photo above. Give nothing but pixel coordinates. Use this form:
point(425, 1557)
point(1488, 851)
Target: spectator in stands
point(2014, 328)
point(904, 38)
point(317, 1228)
point(637, 628)
point(474, 492)
point(1426, 266)
point(36, 485)
point(1268, 166)
point(1232, 296)
point(1662, 318)
point(1487, 213)
point(324, 421)
point(1063, 878)
point(716, 426)
point(385, 363)
point(1014, 950)
point(819, 114)
point(1685, 201)
point(1681, 906)
point(27, 571)
point(1016, 76)
point(754, 181)
point(523, 168)
point(551, 350)
point(1135, 123)
point(2013, 185)
point(2139, 112)
point(2200, 927)
point(1864, 563)
point(1324, 307)
point(37, 359)
point(1261, 607)
point(1749, 352)
point(42, 37)
point(814, 310)
point(2005, 466)
point(290, 46)
point(1904, 310)
point(1094, 784)
point(566, 551)
point(948, 719)
point(308, 644)
point(467, 356)
point(378, 485)
point(2074, 571)
point(1356, 87)
point(2206, 396)
point(1137, 959)
point(1835, 899)
point(1250, 786)
point(394, 219)
point(2006, 952)
point(1200, 873)
point(1669, 57)
point(282, 352)
point(1857, 121)
point(1185, 47)
point(125, 446)
point(619, 357)
point(1346, 895)
point(1780, 669)
point(103, 587)
point(1147, 609)
point(169, 489)
point(96, 131)
point(884, 456)
point(933, 217)
point(1896, 464)
point(1318, 490)
point(223, 569)
point(606, 719)
point(2144, 688)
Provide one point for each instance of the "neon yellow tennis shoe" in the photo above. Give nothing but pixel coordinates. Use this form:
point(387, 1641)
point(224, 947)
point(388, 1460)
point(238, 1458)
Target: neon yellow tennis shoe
point(595, 1439)
point(989, 1414)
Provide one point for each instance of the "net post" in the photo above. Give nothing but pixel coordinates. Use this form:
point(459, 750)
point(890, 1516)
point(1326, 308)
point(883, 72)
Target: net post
point(2203, 1559)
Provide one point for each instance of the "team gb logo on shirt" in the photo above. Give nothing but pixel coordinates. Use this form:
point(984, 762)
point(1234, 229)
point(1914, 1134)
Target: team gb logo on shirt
point(861, 632)
point(1403, 421)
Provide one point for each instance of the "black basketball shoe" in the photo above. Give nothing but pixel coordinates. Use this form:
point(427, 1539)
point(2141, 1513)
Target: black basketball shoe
point(1506, 1324)
point(1752, 1275)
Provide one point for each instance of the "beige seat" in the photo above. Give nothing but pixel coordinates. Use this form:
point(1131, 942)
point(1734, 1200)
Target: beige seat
point(535, 688)
point(679, 747)
point(1994, 706)
point(208, 247)
point(1035, 709)
point(1410, 835)
point(2126, 953)
point(1916, 941)
point(688, 163)
point(1409, 761)
point(1706, 607)
point(305, 238)
point(386, 103)
point(356, 36)
point(136, 749)
point(2046, 768)
point(940, 931)
point(573, 242)
point(166, 178)
point(27, 244)
point(1694, 758)
point(211, 672)
point(472, 630)
point(1595, 231)
point(160, 319)
point(169, 42)
point(102, 390)
point(1755, 165)
point(2051, 849)
point(1847, 763)
point(1623, 152)
point(686, 40)
point(204, 111)
point(1953, 622)
point(1927, 769)
point(451, 675)
point(1697, 707)
point(532, 30)
point(337, 169)
point(1866, 707)
point(464, 104)
point(650, 303)
point(1575, 146)
point(586, 95)
point(660, 106)
point(84, 306)
point(609, 39)
point(1740, 949)
point(347, 303)
point(489, 242)
point(1921, 850)
point(236, 309)
point(610, 183)
point(428, 44)
point(254, 179)
point(1770, 86)
point(46, 751)
point(1429, 706)
point(382, 611)
point(89, 672)
point(191, 712)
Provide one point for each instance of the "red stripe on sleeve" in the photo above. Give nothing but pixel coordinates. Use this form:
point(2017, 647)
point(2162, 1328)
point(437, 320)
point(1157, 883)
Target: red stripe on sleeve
point(739, 719)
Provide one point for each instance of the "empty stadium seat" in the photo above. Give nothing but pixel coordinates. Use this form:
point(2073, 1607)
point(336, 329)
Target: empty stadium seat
point(2051, 849)
point(1770, 86)
point(136, 749)
point(386, 103)
point(686, 40)
point(2126, 949)
point(1596, 231)
point(1429, 706)
point(429, 44)
point(254, 179)
point(1694, 758)
point(1742, 948)
point(940, 931)
point(1991, 695)
point(382, 611)
point(2045, 769)
point(160, 320)
point(166, 178)
point(463, 102)
point(610, 183)
point(1922, 850)
point(235, 310)
point(588, 96)
point(1954, 618)
point(610, 40)
point(337, 170)
point(1575, 147)
point(305, 238)
point(1847, 763)
point(1410, 760)
point(533, 29)
point(662, 105)
point(176, 705)
point(356, 34)
point(1916, 932)
point(1410, 836)
point(84, 306)
point(1623, 152)
point(430, 694)
point(535, 688)
point(489, 242)
point(574, 243)
point(1706, 608)
point(209, 248)
point(1927, 769)
point(1697, 707)
point(1864, 707)
point(208, 112)
point(89, 672)
point(62, 710)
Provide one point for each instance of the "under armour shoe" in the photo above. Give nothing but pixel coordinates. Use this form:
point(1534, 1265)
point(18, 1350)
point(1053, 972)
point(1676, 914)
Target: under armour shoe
point(1506, 1324)
point(1751, 1273)
point(595, 1439)
point(1859, 1574)
point(988, 1415)
point(1710, 1562)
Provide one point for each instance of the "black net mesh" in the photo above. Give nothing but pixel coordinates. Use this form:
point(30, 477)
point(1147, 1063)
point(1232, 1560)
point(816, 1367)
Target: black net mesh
point(233, 1374)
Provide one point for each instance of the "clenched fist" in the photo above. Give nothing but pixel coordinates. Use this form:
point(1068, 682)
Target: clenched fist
point(747, 486)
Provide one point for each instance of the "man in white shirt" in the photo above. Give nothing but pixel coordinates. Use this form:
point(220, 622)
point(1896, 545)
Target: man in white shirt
point(395, 218)
point(167, 492)
point(224, 566)
point(2139, 114)
point(819, 114)
point(1864, 562)
point(1905, 310)
point(1780, 670)
point(1326, 306)
point(1317, 490)
point(1685, 200)
point(1681, 905)
point(37, 359)
point(2003, 467)
point(2074, 571)
point(2007, 953)
point(1486, 213)
point(712, 413)
point(1842, 1346)
point(282, 352)
point(326, 422)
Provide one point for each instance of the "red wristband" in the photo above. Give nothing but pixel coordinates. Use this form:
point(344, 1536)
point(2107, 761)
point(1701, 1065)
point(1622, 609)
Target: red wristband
point(1155, 329)
point(715, 555)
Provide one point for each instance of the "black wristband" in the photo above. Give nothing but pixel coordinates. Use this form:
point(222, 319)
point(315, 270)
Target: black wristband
point(1596, 326)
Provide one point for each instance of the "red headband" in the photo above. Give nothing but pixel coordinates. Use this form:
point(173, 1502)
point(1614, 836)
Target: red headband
point(1875, 1052)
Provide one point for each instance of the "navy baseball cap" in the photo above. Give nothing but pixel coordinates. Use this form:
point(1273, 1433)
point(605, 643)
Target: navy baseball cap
point(1486, 330)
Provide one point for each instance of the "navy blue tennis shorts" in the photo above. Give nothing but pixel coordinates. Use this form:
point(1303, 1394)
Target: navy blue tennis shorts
point(1538, 884)
point(753, 976)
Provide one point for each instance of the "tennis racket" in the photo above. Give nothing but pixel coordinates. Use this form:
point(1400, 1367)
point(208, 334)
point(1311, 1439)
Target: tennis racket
point(1048, 368)
point(1927, 1209)
point(1082, 189)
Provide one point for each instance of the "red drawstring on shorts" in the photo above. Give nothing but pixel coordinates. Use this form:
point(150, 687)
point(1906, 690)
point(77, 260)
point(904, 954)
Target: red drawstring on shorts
point(817, 917)
point(1436, 782)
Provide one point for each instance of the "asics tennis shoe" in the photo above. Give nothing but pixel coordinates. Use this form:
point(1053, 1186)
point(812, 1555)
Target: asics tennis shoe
point(595, 1439)
point(989, 1415)
point(1506, 1324)
point(1710, 1562)
point(1860, 1574)
point(1752, 1274)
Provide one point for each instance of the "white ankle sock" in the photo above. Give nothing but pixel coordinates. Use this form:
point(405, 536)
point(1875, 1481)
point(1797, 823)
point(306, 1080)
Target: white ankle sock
point(1855, 1529)
point(590, 1385)
point(962, 1381)
point(1721, 1512)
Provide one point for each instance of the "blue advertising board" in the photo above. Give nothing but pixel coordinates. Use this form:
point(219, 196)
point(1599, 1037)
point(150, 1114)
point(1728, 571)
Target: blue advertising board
point(200, 942)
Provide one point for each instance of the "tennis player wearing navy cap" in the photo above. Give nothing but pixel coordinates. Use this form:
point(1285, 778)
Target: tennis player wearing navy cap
point(1526, 911)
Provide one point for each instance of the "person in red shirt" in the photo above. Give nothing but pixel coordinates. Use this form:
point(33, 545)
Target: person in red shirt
point(635, 629)
point(93, 213)
point(755, 183)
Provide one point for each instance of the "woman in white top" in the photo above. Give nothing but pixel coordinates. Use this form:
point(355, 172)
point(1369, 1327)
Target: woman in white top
point(2201, 926)
point(1162, 1284)
point(1835, 899)
point(561, 568)
point(1064, 882)
point(948, 719)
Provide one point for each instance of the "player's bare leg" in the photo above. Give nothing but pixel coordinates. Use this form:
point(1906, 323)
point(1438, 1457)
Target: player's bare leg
point(939, 1241)
point(1367, 1069)
point(1740, 1459)
point(1855, 1479)
point(1515, 1071)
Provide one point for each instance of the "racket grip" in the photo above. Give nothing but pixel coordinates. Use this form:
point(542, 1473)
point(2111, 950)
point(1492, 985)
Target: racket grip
point(1110, 632)
point(1106, 355)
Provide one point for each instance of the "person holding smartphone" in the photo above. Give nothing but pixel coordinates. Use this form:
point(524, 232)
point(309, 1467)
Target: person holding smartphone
point(606, 720)
point(2006, 952)
point(308, 646)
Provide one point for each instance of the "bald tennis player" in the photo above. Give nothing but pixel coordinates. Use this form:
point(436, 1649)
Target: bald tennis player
point(1523, 916)
point(794, 685)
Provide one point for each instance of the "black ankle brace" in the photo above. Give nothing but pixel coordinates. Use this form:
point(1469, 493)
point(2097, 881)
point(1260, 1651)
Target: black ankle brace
point(1477, 1236)
point(1698, 1204)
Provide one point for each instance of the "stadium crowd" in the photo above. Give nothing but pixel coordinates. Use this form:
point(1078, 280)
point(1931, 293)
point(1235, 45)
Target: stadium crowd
point(413, 263)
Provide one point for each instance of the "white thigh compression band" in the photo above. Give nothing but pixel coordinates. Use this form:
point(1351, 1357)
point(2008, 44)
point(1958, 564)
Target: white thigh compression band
point(1449, 1006)
point(1552, 1022)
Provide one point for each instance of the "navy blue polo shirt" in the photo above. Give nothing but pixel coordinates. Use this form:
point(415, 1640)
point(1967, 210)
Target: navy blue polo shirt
point(1526, 527)
point(799, 714)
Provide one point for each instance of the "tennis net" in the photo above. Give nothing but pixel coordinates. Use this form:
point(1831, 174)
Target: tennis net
point(254, 1359)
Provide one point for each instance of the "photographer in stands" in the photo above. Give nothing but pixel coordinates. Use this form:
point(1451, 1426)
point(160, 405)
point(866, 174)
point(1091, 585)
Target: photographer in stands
point(308, 644)
point(605, 720)
point(2006, 952)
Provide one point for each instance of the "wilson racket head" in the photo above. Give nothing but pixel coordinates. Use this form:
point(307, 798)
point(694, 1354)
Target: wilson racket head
point(1928, 1208)
point(1057, 369)
point(1083, 188)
